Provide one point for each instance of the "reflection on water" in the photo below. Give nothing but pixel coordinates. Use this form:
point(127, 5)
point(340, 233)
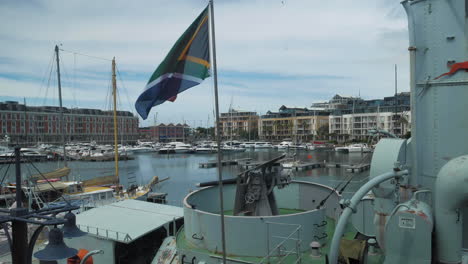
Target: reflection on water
point(184, 172)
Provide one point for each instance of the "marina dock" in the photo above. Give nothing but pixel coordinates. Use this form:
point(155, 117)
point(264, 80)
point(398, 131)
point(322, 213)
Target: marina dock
point(308, 166)
point(107, 158)
point(349, 167)
point(214, 163)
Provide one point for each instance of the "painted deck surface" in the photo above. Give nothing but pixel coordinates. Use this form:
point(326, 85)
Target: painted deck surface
point(183, 244)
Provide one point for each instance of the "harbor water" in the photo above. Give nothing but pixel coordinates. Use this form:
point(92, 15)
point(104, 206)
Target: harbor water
point(184, 172)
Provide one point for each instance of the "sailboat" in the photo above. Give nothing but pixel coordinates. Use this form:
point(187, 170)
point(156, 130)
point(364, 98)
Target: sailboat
point(133, 191)
point(65, 170)
point(48, 189)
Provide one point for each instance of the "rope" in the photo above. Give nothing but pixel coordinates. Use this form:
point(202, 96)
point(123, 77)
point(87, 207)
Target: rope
point(40, 173)
point(333, 190)
point(6, 171)
point(125, 90)
point(49, 66)
point(48, 81)
point(86, 55)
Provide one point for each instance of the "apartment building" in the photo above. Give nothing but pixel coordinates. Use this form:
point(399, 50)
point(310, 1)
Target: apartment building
point(239, 124)
point(292, 123)
point(165, 133)
point(353, 118)
point(33, 124)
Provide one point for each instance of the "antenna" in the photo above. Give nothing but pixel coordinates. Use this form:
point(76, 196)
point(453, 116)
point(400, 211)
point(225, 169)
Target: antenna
point(396, 100)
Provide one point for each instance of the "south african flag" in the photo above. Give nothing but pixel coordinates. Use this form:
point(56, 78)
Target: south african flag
point(187, 64)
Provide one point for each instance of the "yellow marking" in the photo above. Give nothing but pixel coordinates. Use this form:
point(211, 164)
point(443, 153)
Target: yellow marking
point(182, 55)
point(197, 60)
point(95, 188)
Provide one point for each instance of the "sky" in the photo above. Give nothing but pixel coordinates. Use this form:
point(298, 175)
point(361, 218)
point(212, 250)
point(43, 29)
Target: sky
point(269, 52)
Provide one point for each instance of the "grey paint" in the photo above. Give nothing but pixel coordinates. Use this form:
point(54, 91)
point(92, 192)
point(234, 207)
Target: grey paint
point(410, 234)
point(437, 29)
point(363, 219)
point(451, 196)
point(438, 32)
point(386, 153)
point(201, 223)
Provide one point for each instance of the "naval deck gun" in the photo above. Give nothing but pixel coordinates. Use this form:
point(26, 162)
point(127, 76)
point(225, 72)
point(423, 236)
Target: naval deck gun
point(254, 193)
point(255, 189)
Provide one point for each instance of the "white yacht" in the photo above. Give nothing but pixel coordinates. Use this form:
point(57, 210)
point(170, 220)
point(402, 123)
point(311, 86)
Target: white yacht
point(29, 153)
point(5, 150)
point(181, 147)
point(309, 146)
point(142, 148)
point(262, 145)
point(248, 145)
point(166, 149)
point(231, 149)
point(284, 145)
point(205, 148)
point(354, 148)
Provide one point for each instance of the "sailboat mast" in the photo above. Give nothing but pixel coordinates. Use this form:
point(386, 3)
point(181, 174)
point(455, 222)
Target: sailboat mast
point(396, 101)
point(116, 150)
point(25, 122)
point(62, 120)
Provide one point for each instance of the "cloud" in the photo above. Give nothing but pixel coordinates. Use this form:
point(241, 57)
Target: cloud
point(270, 52)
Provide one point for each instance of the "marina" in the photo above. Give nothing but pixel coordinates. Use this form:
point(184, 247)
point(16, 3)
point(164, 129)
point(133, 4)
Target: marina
point(212, 164)
point(307, 166)
point(176, 166)
point(336, 182)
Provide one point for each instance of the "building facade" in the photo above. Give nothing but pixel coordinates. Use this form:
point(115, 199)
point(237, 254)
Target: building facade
point(237, 124)
point(166, 133)
point(41, 124)
point(353, 118)
point(290, 123)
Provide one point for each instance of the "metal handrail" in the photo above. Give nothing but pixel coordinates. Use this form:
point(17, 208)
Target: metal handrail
point(285, 239)
point(124, 236)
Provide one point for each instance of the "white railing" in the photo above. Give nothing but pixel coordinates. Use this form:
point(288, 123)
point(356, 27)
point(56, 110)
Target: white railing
point(105, 233)
point(280, 250)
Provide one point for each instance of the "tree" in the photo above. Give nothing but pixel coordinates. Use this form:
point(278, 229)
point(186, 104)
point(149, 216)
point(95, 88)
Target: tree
point(201, 132)
point(322, 132)
point(407, 135)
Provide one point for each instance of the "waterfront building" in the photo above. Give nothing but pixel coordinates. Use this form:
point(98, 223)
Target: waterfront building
point(238, 124)
point(41, 124)
point(165, 133)
point(354, 117)
point(343, 101)
point(292, 123)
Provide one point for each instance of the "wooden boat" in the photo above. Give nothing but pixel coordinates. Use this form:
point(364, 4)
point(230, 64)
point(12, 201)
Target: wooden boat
point(56, 174)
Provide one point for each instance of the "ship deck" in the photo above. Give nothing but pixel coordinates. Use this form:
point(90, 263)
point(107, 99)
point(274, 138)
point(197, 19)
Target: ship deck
point(183, 244)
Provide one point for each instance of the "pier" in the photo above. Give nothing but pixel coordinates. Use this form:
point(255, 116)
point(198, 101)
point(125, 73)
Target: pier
point(106, 158)
point(349, 167)
point(307, 166)
point(358, 168)
point(214, 163)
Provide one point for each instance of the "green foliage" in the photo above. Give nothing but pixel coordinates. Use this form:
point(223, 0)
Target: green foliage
point(322, 132)
point(204, 133)
point(245, 135)
point(407, 135)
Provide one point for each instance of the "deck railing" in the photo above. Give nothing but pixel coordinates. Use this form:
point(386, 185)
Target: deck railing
point(105, 233)
point(280, 250)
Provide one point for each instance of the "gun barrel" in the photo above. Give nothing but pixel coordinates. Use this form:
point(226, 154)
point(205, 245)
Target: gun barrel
point(214, 183)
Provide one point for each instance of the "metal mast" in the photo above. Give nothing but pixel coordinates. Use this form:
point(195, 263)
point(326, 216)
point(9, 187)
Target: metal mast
point(396, 103)
point(62, 120)
point(25, 121)
point(218, 132)
point(116, 149)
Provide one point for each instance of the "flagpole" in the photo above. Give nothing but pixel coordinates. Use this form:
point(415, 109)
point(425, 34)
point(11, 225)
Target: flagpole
point(218, 132)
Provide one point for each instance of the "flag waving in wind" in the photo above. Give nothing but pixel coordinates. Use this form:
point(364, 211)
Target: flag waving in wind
point(187, 64)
